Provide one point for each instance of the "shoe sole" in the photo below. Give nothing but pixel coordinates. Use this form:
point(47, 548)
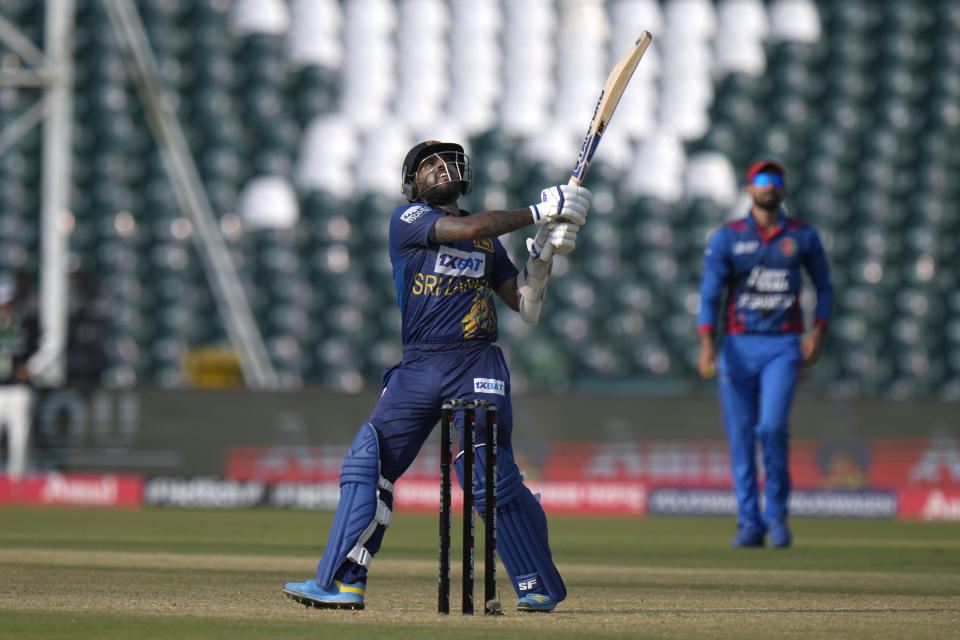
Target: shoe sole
point(320, 604)
point(532, 610)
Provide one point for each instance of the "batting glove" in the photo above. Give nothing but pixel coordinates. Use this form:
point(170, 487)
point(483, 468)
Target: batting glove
point(563, 237)
point(568, 203)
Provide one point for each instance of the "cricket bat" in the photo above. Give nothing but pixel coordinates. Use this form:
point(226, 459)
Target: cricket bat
point(606, 105)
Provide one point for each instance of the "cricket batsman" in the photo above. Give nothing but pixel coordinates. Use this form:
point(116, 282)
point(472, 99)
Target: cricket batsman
point(755, 262)
point(447, 266)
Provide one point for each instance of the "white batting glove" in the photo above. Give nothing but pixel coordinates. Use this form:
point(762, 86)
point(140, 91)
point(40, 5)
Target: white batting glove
point(563, 237)
point(567, 203)
point(536, 244)
point(532, 285)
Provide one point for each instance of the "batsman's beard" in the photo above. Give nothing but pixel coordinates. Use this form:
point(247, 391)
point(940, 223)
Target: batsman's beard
point(442, 193)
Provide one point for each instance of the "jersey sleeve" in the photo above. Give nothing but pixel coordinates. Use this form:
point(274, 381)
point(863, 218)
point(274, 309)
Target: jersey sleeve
point(503, 267)
point(815, 262)
point(716, 268)
point(410, 226)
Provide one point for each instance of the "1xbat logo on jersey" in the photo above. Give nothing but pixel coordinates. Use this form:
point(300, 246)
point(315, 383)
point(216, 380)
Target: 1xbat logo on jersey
point(489, 385)
point(454, 262)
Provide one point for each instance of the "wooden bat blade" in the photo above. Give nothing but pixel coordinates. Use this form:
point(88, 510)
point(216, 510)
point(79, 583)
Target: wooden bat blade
point(607, 104)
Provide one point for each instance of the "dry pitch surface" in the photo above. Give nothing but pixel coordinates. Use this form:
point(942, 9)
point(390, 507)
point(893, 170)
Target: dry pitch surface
point(163, 574)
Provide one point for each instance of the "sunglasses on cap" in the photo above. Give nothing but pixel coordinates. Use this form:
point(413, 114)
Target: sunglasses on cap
point(767, 179)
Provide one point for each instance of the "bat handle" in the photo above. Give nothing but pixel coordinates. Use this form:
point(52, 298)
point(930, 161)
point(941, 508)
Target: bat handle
point(544, 230)
point(543, 240)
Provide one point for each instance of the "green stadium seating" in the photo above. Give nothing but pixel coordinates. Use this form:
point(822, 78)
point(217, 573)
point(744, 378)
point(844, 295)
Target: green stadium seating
point(866, 121)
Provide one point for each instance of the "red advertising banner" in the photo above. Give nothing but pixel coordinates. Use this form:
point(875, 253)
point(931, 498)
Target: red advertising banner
point(929, 504)
point(308, 464)
point(700, 463)
point(842, 464)
point(284, 463)
point(596, 498)
point(845, 464)
point(910, 477)
point(75, 490)
point(880, 463)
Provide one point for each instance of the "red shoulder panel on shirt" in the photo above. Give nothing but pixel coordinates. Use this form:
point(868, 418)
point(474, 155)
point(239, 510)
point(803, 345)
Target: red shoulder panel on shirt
point(738, 225)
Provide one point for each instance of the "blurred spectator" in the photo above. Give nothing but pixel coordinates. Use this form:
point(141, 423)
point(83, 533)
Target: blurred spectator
point(87, 331)
point(18, 341)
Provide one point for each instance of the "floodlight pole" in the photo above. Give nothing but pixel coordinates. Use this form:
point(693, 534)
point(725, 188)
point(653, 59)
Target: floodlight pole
point(258, 370)
point(51, 71)
point(49, 364)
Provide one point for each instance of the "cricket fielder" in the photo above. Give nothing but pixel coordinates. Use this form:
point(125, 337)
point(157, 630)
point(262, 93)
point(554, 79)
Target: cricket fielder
point(756, 262)
point(447, 266)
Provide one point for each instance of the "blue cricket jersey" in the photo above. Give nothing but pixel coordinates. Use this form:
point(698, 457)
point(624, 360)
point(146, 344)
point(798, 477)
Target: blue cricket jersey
point(445, 292)
point(760, 272)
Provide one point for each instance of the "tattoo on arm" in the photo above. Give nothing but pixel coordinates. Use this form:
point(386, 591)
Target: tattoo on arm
point(481, 226)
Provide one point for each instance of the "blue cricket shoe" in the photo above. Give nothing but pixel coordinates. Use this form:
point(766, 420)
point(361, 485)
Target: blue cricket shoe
point(748, 537)
point(780, 536)
point(533, 602)
point(337, 596)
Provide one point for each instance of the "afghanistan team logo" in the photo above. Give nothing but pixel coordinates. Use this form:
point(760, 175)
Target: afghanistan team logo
point(788, 246)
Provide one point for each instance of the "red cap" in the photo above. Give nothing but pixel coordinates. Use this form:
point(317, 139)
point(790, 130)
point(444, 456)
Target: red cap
point(763, 165)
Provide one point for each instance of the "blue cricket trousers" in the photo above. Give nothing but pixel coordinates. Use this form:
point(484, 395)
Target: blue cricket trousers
point(415, 389)
point(758, 375)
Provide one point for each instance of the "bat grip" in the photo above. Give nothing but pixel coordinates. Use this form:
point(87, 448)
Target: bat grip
point(547, 252)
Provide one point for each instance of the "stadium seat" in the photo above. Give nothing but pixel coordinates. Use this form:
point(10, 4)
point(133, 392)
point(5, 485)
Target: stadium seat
point(313, 34)
point(795, 20)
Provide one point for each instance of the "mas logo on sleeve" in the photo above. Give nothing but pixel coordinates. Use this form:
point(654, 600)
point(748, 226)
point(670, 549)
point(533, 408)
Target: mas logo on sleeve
point(413, 214)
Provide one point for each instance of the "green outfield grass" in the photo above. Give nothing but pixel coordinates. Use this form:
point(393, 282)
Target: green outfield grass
point(166, 574)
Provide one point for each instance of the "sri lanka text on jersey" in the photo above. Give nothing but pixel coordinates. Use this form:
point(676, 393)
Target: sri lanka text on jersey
point(427, 284)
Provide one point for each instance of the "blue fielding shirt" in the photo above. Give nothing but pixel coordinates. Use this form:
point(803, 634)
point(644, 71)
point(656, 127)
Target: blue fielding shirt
point(760, 272)
point(445, 292)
